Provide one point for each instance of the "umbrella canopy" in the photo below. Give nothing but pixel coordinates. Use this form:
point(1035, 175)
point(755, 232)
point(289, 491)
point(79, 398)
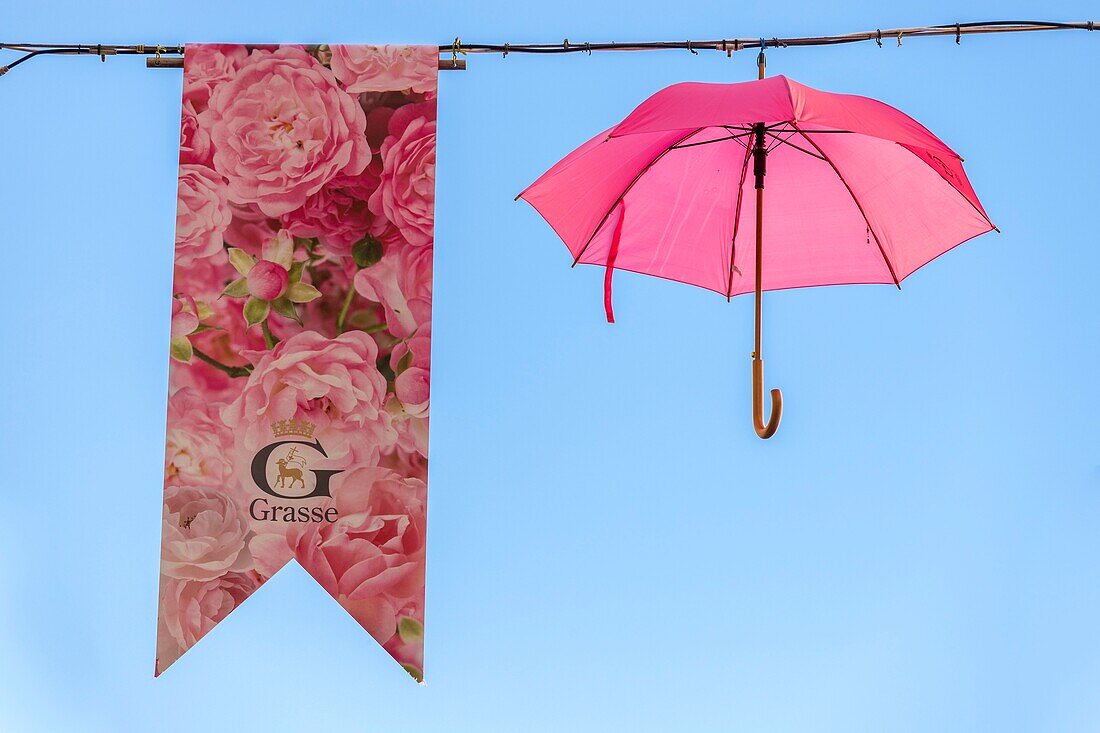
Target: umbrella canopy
point(858, 192)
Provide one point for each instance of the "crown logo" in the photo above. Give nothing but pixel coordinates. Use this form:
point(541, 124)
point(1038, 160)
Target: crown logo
point(292, 427)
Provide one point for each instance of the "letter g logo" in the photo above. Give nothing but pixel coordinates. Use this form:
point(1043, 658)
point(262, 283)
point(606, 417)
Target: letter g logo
point(290, 471)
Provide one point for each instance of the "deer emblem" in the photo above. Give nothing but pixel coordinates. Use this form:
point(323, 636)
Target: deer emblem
point(289, 471)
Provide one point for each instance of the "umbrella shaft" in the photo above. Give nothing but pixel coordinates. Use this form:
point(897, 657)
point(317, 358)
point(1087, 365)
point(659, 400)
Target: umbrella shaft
point(759, 170)
point(759, 268)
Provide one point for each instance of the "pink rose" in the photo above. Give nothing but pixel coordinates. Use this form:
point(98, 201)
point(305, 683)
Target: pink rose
point(194, 140)
point(197, 440)
point(269, 551)
point(207, 66)
point(409, 405)
point(386, 68)
point(250, 228)
point(184, 319)
point(203, 278)
point(205, 534)
point(190, 608)
point(267, 280)
point(202, 215)
point(333, 383)
point(411, 360)
point(225, 342)
point(402, 282)
point(371, 559)
point(406, 194)
point(321, 314)
point(411, 388)
point(337, 215)
point(282, 129)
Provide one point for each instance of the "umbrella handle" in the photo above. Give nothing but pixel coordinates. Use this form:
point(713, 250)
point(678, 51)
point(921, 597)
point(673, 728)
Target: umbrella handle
point(764, 430)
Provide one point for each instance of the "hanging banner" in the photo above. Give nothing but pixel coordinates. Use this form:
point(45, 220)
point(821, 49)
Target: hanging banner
point(301, 336)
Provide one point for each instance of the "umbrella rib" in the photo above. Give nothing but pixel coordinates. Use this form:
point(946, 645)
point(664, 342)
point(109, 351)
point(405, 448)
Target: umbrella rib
point(737, 220)
point(709, 142)
point(855, 200)
point(626, 190)
point(787, 141)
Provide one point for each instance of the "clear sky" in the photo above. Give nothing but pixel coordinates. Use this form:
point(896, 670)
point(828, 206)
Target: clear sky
point(611, 547)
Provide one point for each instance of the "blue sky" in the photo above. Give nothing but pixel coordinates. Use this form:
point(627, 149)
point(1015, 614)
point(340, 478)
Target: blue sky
point(611, 547)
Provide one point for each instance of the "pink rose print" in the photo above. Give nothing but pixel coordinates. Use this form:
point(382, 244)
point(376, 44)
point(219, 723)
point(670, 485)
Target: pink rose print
point(267, 280)
point(195, 446)
point(372, 558)
point(282, 129)
point(207, 67)
point(410, 361)
point(406, 194)
point(402, 282)
point(194, 139)
point(250, 228)
point(385, 68)
point(190, 608)
point(338, 214)
point(184, 317)
point(205, 534)
point(202, 215)
point(329, 382)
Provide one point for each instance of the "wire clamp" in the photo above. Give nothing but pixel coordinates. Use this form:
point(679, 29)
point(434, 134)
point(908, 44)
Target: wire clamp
point(456, 49)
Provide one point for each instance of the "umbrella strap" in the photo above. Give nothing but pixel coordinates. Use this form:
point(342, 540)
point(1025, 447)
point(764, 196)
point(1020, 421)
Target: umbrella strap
point(612, 253)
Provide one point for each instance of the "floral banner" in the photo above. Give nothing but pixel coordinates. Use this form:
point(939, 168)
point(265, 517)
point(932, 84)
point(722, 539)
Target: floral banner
point(301, 336)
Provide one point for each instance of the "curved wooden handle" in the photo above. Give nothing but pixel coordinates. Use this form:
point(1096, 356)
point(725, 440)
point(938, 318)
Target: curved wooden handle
point(764, 430)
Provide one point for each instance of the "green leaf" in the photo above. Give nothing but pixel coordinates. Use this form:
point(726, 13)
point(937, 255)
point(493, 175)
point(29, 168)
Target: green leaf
point(367, 251)
point(206, 327)
point(242, 261)
point(285, 308)
point(414, 672)
point(405, 362)
point(256, 310)
point(410, 630)
point(296, 271)
point(237, 289)
point(180, 349)
point(302, 293)
point(203, 310)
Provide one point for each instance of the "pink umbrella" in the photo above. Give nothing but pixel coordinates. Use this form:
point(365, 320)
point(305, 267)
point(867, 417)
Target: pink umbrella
point(860, 193)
